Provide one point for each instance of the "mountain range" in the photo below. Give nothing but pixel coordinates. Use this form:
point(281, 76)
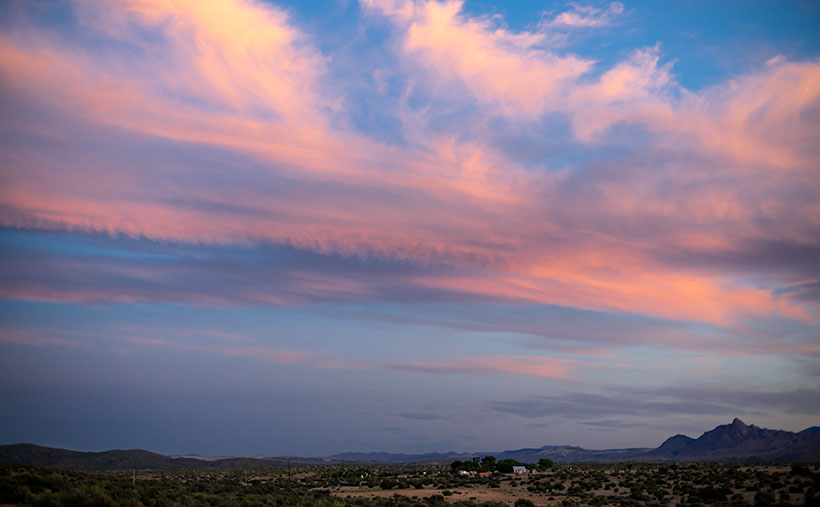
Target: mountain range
point(736, 441)
point(30, 454)
point(739, 441)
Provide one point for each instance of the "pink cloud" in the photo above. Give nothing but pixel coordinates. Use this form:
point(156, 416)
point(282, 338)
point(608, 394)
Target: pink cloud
point(239, 76)
point(761, 119)
point(636, 289)
point(755, 119)
point(504, 68)
point(242, 55)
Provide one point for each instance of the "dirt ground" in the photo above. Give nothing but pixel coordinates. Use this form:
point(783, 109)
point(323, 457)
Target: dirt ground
point(480, 493)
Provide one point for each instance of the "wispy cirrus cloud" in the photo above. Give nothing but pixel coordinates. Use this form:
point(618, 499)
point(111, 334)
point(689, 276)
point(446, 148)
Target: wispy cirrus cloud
point(535, 366)
point(661, 402)
point(587, 16)
point(585, 405)
point(510, 70)
point(615, 234)
point(480, 205)
point(95, 268)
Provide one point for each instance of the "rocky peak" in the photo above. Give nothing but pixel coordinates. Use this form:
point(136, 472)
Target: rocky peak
point(738, 429)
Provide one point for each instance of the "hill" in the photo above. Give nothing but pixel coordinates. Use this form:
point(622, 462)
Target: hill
point(736, 441)
point(30, 454)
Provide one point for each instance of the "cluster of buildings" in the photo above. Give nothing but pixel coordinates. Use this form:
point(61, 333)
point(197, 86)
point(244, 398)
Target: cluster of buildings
point(473, 473)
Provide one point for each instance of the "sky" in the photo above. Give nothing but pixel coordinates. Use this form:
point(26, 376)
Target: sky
point(282, 227)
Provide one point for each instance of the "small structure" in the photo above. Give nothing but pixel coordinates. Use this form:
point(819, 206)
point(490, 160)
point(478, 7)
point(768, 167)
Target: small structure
point(519, 470)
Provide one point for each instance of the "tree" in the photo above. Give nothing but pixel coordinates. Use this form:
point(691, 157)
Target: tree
point(545, 463)
point(488, 463)
point(505, 466)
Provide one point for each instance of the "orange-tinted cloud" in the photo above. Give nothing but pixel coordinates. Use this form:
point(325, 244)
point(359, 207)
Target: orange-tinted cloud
point(240, 78)
point(545, 367)
point(498, 66)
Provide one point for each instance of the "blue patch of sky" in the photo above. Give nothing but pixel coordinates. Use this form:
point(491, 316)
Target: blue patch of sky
point(708, 42)
point(329, 23)
point(374, 116)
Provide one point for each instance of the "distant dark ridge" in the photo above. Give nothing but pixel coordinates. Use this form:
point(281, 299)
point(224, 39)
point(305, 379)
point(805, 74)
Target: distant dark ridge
point(31, 454)
point(730, 442)
point(741, 442)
